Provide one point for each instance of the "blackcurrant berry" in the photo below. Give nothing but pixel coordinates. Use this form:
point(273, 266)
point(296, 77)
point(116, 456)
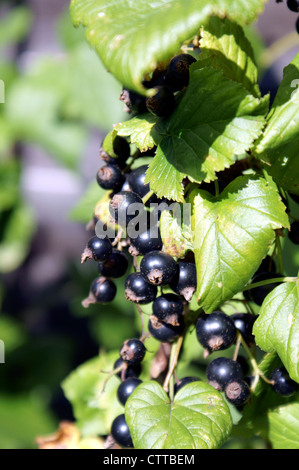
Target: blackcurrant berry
point(134, 103)
point(164, 332)
point(168, 308)
point(243, 363)
point(136, 181)
point(115, 265)
point(283, 384)
point(150, 240)
point(295, 197)
point(258, 294)
point(215, 331)
point(293, 234)
point(138, 290)
point(126, 388)
point(132, 351)
point(237, 392)
point(97, 249)
point(120, 432)
point(184, 282)
point(102, 291)
point(124, 206)
point(158, 268)
point(293, 5)
point(162, 103)
point(223, 370)
point(121, 149)
point(244, 324)
point(268, 264)
point(110, 177)
point(184, 381)
point(128, 371)
point(177, 75)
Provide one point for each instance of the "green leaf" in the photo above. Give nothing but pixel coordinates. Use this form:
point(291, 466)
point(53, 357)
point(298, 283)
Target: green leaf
point(133, 37)
point(232, 234)
point(176, 233)
point(93, 411)
point(277, 326)
point(224, 46)
point(84, 208)
point(216, 121)
point(278, 148)
point(284, 427)
point(139, 130)
point(197, 419)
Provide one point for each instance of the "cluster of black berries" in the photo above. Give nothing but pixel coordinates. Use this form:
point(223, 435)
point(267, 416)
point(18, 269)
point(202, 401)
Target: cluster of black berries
point(165, 83)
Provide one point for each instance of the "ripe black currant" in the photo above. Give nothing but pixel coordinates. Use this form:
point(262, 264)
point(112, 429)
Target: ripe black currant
point(150, 240)
point(136, 181)
point(162, 103)
point(128, 371)
point(168, 308)
point(158, 267)
point(132, 351)
point(121, 149)
point(215, 331)
point(164, 332)
point(110, 177)
point(102, 291)
point(243, 363)
point(177, 75)
point(184, 282)
point(134, 103)
point(258, 294)
point(237, 392)
point(138, 290)
point(120, 432)
point(124, 206)
point(293, 234)
point(115, 265)
point(268, 264)
point(184, 381)
point(293, 5)
point(223, 370)
point(283, 384)
point(244, 324)
point(126, 388)
point(97, 249)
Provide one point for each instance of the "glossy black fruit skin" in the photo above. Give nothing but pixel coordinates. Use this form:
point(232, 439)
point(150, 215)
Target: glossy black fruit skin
point(184, 282)
point(293, 5)
point(104, 290)
point(130, 371)
point(267, 265)
point(222, 370)
point(120, 432)
point(244, 364)
point(138, 290)
point(134, 102)
point(283, 384)
point(237, 392)
point(168, 305)
point(124, 206)
point(215, 331)
point(184, 381)
point(244, 324)
point(97, 249)
point(162, 103)
point(294, 233)
point(148, 241)
point(110, 177)
point(177, 75)
point(115, 265)
point(132, 351)
point(136, 181)
point(121, 149)
point(126, 388)
point(258, 294)
point(158, 268)
point(164, 332)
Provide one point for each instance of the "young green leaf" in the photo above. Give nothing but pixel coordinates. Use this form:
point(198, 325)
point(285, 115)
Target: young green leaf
point(278, 148)
point(132, 38)
point(198, 418)
point(232, 234)
point(277, 326)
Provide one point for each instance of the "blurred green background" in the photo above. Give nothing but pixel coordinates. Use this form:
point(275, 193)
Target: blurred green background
point(59, 104)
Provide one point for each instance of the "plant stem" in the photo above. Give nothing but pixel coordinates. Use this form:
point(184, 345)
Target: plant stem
point(258, 372)
point(147, 196)
point(270, 281)
point(175, 351)
point(279, 253)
